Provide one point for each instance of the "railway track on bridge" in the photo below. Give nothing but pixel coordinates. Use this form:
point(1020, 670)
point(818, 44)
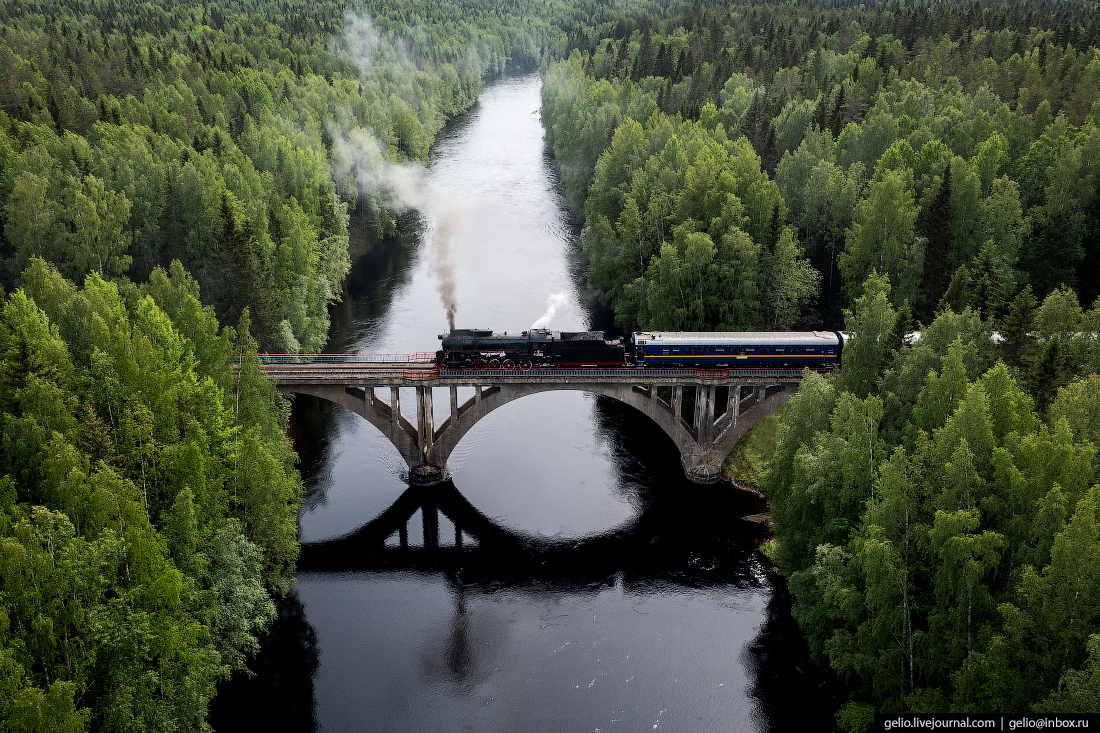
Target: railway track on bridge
point(383, 369)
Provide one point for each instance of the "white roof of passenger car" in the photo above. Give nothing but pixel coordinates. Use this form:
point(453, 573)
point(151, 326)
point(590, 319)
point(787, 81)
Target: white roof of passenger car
point(788, 338)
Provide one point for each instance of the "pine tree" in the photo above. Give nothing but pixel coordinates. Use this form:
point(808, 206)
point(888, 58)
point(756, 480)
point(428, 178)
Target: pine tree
point(989, 283)
point(821, 111)
point(643, 64)
point(663, 65)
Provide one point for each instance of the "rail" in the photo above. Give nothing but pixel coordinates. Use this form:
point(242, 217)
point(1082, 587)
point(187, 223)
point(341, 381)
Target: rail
point(422, 356)
point(388, 365)
point(483, 376)
point(640, 373)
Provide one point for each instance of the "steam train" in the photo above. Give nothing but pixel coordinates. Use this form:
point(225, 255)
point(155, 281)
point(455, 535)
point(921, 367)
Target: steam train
point(540, 347)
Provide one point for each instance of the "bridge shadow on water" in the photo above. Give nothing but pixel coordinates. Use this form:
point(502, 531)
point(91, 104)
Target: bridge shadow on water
point(695, 539)
point(683, 537)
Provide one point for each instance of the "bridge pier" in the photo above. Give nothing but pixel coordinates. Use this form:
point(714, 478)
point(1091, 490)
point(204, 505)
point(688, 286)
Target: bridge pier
point(428, 472)
point(703, 444)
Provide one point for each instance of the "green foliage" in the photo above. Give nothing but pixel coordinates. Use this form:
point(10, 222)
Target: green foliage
point(148, 508)
point(135, 135)
point(746, 463)
point(684, 230)
point(871, 324)
point(938, 537)
point(981, 152)
point(855, 717)
point(883, 240)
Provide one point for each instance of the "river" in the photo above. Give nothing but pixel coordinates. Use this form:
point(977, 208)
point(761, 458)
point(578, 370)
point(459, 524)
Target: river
point(606, 591)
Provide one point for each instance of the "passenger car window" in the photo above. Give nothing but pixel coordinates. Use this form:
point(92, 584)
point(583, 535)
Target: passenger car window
point(664, 352)
point(705, 351)
point(689, 351)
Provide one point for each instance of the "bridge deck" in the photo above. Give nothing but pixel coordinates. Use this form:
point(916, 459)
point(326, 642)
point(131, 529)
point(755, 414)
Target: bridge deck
point(424, 374)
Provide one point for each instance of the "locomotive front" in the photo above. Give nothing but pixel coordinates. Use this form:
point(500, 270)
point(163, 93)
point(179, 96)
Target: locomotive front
point(482, 349)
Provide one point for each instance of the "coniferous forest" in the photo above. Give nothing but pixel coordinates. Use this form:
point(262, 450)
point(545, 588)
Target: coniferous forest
point(924, 175)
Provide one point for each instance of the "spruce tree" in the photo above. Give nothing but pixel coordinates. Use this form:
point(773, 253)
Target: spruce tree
point(1017, 339)
point(937, 229)
point(957, 297)
point(836, 120)
point(989, 283)
point(1047, 375)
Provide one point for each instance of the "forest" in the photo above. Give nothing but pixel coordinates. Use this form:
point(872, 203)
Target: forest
point(171, 207)
point(923, 176)
point(969, 131)
point(176, 198)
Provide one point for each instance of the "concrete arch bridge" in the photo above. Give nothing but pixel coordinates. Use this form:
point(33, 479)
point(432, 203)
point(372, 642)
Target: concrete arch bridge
point(727, 401)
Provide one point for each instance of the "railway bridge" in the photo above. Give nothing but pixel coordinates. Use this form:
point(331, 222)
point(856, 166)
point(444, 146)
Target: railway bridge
point(727, 401)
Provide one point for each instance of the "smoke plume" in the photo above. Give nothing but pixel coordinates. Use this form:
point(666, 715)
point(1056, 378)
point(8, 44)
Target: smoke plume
point(359, 159)
point(555, 301)
point(358, 155)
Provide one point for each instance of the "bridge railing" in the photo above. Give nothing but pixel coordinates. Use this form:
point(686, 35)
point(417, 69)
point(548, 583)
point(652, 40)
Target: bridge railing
point(482, 376)
point(640, 374)
point(415, 357)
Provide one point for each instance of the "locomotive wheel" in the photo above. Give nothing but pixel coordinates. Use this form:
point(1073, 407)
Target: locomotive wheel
point(494, 364)
point(508, 365)
point(525, 364)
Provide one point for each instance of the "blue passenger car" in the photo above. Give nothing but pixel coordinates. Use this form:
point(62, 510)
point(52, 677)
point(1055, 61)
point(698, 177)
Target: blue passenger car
point(818, 350)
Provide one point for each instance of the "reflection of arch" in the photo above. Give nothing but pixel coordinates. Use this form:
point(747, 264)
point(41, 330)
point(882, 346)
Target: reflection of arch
point(703, 443)
point(652, 547)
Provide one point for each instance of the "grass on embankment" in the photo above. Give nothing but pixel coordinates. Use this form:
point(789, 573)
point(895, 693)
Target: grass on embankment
point(746, 462)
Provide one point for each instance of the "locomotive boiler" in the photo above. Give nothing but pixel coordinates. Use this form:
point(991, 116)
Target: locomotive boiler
point(538, 347)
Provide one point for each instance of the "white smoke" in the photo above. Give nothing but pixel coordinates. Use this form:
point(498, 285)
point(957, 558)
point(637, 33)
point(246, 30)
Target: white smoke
point(359, 158)
point(555, 301)
point(358, 155)
point(359, 41)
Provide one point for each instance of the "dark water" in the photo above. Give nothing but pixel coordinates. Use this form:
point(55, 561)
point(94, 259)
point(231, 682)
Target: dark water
point(588, 585)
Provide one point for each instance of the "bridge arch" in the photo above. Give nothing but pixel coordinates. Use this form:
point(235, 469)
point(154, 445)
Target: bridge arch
point(494, 398)
point(426, 447)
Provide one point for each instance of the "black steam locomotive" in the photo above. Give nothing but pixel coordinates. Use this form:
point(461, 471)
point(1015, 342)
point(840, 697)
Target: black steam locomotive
point(540, 347)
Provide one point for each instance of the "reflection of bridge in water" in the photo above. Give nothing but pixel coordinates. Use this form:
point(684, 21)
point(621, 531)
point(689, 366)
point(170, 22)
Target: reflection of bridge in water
point(727, 401)
point(686, 541)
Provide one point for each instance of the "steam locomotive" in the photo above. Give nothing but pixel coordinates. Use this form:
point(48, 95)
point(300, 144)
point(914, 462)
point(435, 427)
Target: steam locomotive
point(540, 347)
